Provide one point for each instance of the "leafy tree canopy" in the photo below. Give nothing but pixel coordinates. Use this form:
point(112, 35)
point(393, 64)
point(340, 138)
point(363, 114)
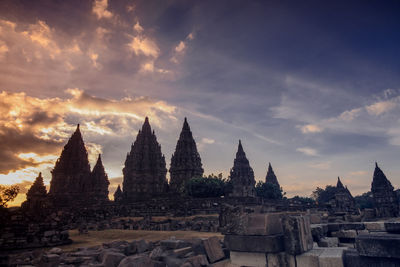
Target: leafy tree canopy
point(7, 194)
point(268, 190)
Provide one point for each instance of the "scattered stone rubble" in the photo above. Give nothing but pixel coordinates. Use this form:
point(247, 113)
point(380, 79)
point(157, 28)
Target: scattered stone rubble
point(173, 252)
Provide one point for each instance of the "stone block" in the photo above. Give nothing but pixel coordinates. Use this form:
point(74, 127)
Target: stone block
point(180, 252)
point(334, 227)
point(392, 227)
point(328, 242)
point(112, 259)
point(263, 224)
point(50, 260)
point(264, 244)
point(315, 218)
point(198, 261)
point(309, 259)
point(137, 260)
point(213, 249)
point(248, 259)
point(174, 244)
point(331, 257)
point(375, 226)
point(297, 234)
point(379, 245)
point(319, 231)
point(347, 233)
point(281, 259)
point(351, 258)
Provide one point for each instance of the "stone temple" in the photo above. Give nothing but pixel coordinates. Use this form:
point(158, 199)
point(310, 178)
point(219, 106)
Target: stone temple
point(344, 201)
point(36, 195)
point(144, 171)
point(72, 181)
point(271, 177)
point(385, 200)
point(186, 161)
point(242, 175)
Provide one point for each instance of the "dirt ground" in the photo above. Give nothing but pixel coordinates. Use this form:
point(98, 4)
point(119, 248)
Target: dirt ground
point(94, 238)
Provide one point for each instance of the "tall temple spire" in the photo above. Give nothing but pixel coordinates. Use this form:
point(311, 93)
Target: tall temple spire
point(385, 199)
point(186, 161)
point(339, 183)
point(118, 195)
point(99, 181)
point(144, 171)
point(271, 177)
point(242, 175)
point(72, 180)
point(37, 189)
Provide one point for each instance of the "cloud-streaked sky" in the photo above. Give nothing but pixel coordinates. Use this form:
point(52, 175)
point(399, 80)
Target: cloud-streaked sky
point(312, 87)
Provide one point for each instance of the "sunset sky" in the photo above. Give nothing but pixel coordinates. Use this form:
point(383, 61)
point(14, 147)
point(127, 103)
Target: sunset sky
point(311, 86)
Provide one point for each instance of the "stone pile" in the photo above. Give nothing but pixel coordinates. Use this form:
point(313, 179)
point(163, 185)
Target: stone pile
point(172, 252)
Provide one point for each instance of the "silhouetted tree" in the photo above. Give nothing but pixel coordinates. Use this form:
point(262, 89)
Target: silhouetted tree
point(364, 201)
point(323, 196)
point(268, 190)
point(303, 200)
point(7, 194)
point(210, 186)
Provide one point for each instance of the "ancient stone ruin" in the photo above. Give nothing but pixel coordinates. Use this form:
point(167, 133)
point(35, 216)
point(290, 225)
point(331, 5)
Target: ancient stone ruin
point(344, 201)
point(271, 177)
point(72, 181)
point(186, 161)
point(36, 197)
point(385, 200)
point(144, 171)
point(242, 175)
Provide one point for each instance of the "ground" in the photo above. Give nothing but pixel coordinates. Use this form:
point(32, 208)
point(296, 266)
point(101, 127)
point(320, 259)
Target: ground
point(94, 238)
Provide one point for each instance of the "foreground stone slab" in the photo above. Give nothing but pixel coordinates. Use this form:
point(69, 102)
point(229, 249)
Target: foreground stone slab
point(297, 234)
point(375, 226)
point(334, 227)
point(248, 259)
point(328, 242)
point(379, 245)
point(392, 227)
point(264, 244)
point(351, 258)
point(331, 257)
point(310, 258)
point(213, 249)
point(280, 260)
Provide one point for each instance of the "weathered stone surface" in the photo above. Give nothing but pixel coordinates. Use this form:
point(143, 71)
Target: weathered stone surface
point(351, 258)
point(385, 199)
point(144, 171)
point(280, 260)
point(180, 252)
point(319, 231)
point(375, 226)
point(112, 259)
point(156, 253)
point(198, 261)
point(213, 249)
point(335, 227)
point(248, 259)
point(186, 161)
point(297, 234)
point(392, 227)
point(136, 261)
point(174, 243)
point(265, 244)
point(242, 175)
point(331, 257)
point(99, 181)
point(309, 259)
point(346, 234)
point(344, 201)
point(328, 242)
point(379, 245)
point(50, 260)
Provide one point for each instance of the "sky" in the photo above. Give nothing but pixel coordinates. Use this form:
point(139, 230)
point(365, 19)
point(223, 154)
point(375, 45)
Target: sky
point(311, 86)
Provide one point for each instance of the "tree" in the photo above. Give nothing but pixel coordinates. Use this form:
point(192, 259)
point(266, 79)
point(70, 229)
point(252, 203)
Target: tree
point(365, 201)
point(211, 186)
point(7, 194)
point(323, 196)
point(268, 190)
point(303, 200)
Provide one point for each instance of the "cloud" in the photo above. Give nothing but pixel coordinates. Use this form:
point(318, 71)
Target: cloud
point(307, 151)
point(310, 128)
point(181, 48)
point(324, 165)
point(33, 130)
point(207, 140)
point(138, 28)
point(144, 46)
point(381, 107)
point(100, 9)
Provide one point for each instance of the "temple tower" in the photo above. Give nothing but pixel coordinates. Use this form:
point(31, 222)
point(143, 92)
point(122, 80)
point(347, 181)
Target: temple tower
point(186, 161)
point(242, 175)
point(344, 201)
point(72, 181)
point(144, 171)
point(385, 199)
point(99, 181)
point(271, 177)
